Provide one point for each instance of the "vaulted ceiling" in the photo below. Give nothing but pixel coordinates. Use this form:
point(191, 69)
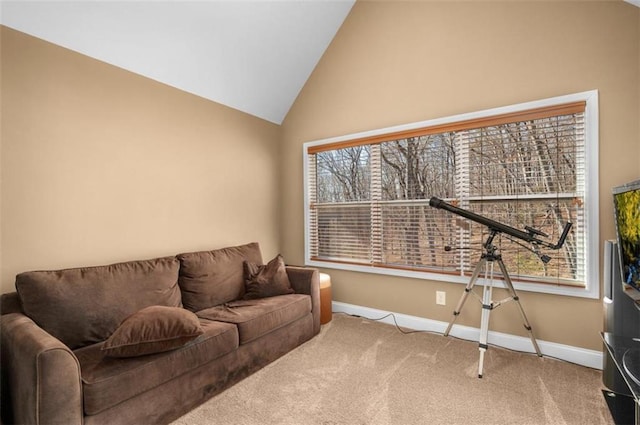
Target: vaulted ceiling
point(251, 55)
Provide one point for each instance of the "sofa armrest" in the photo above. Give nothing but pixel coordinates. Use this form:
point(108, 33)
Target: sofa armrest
point(306, 280)
point(40, 374)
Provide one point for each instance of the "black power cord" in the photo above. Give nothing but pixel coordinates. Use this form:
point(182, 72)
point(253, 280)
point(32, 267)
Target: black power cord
point(451, 336)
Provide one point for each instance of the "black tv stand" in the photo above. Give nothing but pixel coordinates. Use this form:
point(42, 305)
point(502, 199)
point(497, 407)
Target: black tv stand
point(625, 353)
point(631, 363)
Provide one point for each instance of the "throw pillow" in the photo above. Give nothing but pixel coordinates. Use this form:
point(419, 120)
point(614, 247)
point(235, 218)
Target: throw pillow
point(153, 330)
point(261, 281)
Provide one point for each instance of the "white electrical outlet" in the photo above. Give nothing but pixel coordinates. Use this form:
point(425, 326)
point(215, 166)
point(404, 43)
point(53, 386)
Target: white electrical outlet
point(441, 298)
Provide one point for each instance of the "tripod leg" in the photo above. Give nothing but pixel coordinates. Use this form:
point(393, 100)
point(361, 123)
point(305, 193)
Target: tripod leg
point(481, 361)
point(515, 297)
point(487, 306)
point(463, 298)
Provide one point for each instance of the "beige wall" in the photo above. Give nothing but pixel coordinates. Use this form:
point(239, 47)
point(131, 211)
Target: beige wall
point(100, 165)
point(399, 62)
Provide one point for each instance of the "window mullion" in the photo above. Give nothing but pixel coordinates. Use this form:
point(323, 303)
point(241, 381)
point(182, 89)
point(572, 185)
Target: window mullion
point(312, 181)
point(462, 194)
point(376, 209)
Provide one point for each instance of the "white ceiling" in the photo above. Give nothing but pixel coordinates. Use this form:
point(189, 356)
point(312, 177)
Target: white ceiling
point(254, 56)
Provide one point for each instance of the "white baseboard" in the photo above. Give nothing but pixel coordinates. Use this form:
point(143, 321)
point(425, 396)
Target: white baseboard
point(581, 356)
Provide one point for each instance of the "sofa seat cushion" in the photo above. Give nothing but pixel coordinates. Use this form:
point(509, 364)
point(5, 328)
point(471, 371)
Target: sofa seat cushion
point(108, 381)
point(255, 318)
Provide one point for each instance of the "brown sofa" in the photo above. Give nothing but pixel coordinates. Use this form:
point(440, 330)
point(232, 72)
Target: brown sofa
point(98, 344)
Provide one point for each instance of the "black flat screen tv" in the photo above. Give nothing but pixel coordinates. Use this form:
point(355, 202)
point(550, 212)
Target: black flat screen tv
point(626, 201)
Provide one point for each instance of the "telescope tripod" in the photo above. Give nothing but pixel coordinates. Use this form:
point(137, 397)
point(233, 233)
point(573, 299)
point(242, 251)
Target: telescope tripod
point(488, 258)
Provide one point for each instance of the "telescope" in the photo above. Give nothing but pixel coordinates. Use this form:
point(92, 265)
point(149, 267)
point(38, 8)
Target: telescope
point(487, 260)
point(530, 235)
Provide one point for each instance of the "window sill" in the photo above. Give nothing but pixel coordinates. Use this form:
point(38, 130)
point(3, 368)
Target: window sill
point(543, 288)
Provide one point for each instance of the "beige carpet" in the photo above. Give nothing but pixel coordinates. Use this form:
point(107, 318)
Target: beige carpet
point(362, 372)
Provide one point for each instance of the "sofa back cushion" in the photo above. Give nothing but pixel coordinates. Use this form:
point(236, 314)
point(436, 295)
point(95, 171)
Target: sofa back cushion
point(210, 278)
point(83, 306)
point(10, 303)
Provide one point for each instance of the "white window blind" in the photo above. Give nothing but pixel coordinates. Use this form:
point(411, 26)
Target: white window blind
point(368, 197)
point(528, 173)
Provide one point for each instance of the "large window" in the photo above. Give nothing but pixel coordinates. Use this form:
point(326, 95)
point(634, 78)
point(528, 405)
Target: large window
point(367, 195)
